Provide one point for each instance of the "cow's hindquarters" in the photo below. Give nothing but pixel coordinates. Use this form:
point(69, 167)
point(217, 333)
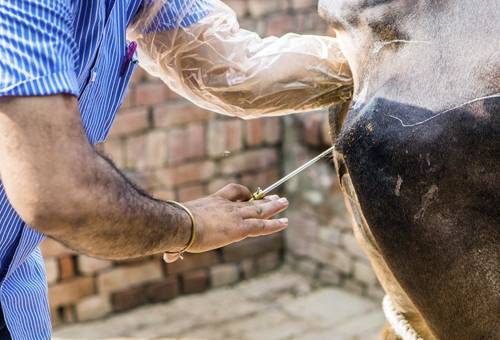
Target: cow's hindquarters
point(389, 283)
point(425, 190)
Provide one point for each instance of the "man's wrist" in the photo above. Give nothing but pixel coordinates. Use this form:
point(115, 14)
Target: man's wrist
point(183, 228)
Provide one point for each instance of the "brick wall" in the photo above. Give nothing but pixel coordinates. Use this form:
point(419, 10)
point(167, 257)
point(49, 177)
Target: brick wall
point(178, 151)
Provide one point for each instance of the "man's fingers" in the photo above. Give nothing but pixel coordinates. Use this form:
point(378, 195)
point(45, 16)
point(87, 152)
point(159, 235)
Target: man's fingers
point(265, 209)
point(264, 200)
point(257, 227)
point(234, 192)
point(270, 198)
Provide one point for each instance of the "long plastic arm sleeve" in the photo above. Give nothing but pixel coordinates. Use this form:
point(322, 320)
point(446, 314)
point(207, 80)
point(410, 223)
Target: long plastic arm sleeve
point(223, 68)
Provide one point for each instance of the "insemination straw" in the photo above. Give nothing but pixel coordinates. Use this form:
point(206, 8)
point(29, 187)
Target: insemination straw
point(260, 194)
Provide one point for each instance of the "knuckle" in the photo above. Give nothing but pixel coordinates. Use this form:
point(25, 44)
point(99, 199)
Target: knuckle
point(260, 224)
point(275, 206)
point(232, 186)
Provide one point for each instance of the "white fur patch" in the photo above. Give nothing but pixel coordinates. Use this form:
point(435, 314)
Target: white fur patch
point(398, 322)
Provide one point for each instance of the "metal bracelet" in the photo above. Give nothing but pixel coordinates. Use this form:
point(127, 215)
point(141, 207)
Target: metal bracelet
point(193, 230)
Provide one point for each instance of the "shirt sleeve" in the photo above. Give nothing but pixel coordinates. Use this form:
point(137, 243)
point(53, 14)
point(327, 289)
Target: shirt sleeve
point(37, 48)
point(175, 14)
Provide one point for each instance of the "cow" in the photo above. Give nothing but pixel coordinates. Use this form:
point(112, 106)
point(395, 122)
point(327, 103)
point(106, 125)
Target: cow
point(418, 158)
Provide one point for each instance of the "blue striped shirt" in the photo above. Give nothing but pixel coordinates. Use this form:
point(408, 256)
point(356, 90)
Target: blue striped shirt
point(51, 47)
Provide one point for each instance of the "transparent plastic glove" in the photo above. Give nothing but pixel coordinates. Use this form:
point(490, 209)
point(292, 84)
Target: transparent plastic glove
point(223, 68)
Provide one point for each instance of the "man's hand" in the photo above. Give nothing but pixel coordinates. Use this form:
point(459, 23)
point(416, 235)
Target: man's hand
point(227, 217)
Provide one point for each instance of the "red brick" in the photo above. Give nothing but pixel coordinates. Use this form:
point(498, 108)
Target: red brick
point(233, 130)
point(138, 76)
point(279, 24)
point(303, 22)
point(216, 139)
point(147, 151)
point(252, 182)
point(130, 121)
point(302, 4)
point(240, 7)
point(150, 78)
point(187, 173)
point(51, 270)
point(262, 7)
point(164, 290)
point(90, 265)
point(128, 101)
point(268, 262)
point(173, 96)
point(252, 247)
point(156, 148)
point(312, 130)
point(195, 281)
point(261, 27)
point(248, 268)
point(51, 248)
point(120, 278)
point(177, 140)
point(254, 132)
point(135, 154)
point(224, 136)
point(150, 93)
point(66, 267)
point(55, 317)
point(272, 130)
point(70, 292)
point(164, 194)
point(186, 143)
point(128, 298)
point(183, 113)
point(93, 307)
point(68, 314)
point(261, 179)
point(193, 261)
point(224, 274)
point(320, 25)
point(270, 176)
point(217, 184)
point(249, 161)
point(195, 142)
point(114, 149)
point(191, 193)
point(248, 24)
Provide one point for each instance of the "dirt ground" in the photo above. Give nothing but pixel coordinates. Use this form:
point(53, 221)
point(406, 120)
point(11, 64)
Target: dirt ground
point(281, 305)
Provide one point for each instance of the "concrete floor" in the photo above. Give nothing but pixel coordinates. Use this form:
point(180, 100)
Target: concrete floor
point(281, 305)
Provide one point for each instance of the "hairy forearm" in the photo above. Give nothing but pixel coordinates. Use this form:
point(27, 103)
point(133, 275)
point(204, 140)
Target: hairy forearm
point(226, 69)
point(60, 186)
point(114, 219)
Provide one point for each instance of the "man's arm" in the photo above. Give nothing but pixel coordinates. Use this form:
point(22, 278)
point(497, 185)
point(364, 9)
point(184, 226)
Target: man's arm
point(61, 186)
point(223, 68)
